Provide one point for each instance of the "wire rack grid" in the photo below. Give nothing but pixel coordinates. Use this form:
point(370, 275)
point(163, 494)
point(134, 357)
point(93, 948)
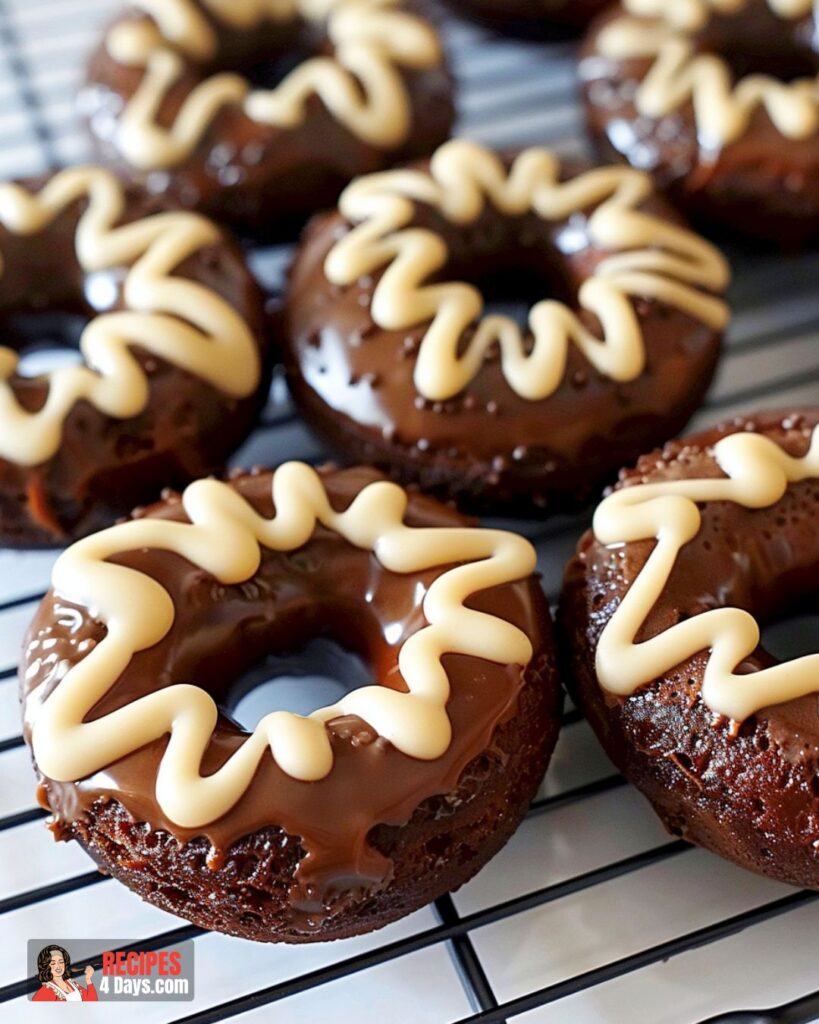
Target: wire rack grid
point(591, 913)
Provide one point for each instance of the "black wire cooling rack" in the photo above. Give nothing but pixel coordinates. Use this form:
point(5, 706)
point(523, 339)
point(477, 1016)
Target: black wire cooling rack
point(591, 913)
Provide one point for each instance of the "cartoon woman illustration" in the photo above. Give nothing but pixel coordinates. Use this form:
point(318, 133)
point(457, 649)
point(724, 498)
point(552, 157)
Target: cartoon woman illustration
point(54, 968)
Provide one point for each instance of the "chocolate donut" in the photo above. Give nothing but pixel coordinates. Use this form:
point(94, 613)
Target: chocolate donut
point(170, 330)
point(697, 547)
point(530, 18)
point(260, 113)
point(393, 363)
point(719, 102)
point(312, 827)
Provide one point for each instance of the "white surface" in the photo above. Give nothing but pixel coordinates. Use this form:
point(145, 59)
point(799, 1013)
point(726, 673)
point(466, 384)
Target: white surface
point(391, 992)
point(771, 958)
point(561, 939)
point(512, 94)
point(571, 841)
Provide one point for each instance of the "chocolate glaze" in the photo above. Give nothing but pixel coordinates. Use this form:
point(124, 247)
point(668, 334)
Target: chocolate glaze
point(749, 793)
point(262, 179)
point(764, 185)
point(104, 465)
point(383, 832)
point(531, 18)
point(488, 448)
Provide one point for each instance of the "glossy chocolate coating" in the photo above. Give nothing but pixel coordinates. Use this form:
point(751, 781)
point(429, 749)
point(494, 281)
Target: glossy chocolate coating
point(531, 18)
point(487, 447)
point(105, 466)
point(262, 179)
point(752, 797)
point(383, 833)
point(763, 185)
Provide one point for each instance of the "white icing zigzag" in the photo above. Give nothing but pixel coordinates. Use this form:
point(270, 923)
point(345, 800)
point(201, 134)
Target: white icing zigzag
point(693, 15)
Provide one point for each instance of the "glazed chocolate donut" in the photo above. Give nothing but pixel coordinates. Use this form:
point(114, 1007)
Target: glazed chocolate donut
point(259, 114)
point(697, 546)
point(393, 363)
point(312, 827)
point(170, 327)
point(530, 18)
point(719, 102)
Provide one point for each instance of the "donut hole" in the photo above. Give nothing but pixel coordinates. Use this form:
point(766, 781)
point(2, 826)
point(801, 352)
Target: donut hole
point(512, 290)
point(775, 49)
point(318, 674)
point(295, 637)
point(514, 262)
point(267, 70)
point(45, 340)
point(60, 301)
point(266, 55)
point(786, 66)
point(792, 636)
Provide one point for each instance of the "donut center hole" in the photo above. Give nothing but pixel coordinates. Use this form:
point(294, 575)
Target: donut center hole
point(45, 340)
point(793, 636)
point(266, 55)
point(785, 67)
point(320, 673)
point(511, 287)
point(269, 71)
point(513, 291)
point(750, 49)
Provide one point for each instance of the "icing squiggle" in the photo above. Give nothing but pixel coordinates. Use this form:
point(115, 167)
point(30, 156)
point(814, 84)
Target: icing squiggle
point(174, 318)
point(360, 84)
point(663, 32)
point(693, 15)
point(651, 258)
point(224, 538)
point(757, 474)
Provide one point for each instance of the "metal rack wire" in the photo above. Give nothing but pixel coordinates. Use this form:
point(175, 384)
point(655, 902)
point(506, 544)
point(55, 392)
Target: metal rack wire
point(591, 913)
